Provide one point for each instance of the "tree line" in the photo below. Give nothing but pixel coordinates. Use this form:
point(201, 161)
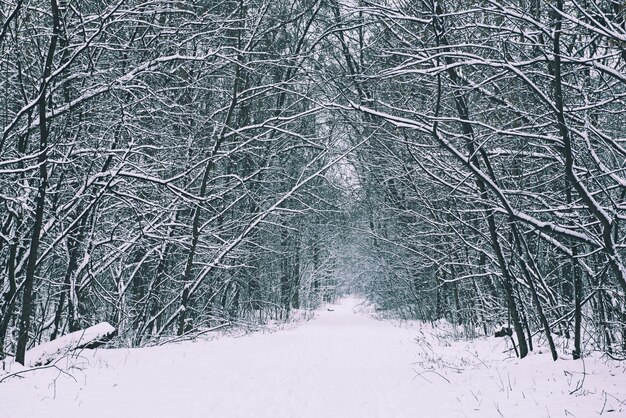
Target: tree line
point(496, 184)
point(169, 165)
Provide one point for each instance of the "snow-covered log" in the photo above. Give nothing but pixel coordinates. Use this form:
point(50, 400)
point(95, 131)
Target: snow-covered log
point(87, 338)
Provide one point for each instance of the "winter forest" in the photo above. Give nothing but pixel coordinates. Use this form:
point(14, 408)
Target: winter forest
point(172, 167)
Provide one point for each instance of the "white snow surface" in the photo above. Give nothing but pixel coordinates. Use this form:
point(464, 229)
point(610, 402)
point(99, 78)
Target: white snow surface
point(342, 363)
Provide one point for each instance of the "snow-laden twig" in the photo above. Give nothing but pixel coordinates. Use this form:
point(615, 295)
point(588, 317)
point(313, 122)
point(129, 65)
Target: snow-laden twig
point(191, 335)
point(19, 373)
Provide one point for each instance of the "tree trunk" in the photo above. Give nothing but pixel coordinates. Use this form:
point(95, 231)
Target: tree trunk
point(40, 200)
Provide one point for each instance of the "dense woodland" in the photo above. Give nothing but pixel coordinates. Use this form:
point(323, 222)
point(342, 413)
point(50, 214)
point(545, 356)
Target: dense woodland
point(172, 165)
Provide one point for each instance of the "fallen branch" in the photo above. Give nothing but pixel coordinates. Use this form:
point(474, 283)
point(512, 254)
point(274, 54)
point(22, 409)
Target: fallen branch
point(91, 337)
point(188, 334)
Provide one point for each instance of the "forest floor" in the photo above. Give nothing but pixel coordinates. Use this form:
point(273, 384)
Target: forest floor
point(341, 363)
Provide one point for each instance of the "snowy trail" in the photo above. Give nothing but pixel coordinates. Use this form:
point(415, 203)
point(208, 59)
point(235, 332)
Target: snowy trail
point(340, 364)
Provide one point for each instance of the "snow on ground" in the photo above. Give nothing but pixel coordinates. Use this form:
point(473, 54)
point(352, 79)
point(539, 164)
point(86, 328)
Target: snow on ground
point(340, 364)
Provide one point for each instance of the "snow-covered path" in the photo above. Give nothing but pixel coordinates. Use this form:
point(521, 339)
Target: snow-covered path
point(340, 364)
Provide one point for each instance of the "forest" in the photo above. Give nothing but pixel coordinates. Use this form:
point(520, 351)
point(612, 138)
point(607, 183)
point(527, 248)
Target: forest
point(169, 166)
